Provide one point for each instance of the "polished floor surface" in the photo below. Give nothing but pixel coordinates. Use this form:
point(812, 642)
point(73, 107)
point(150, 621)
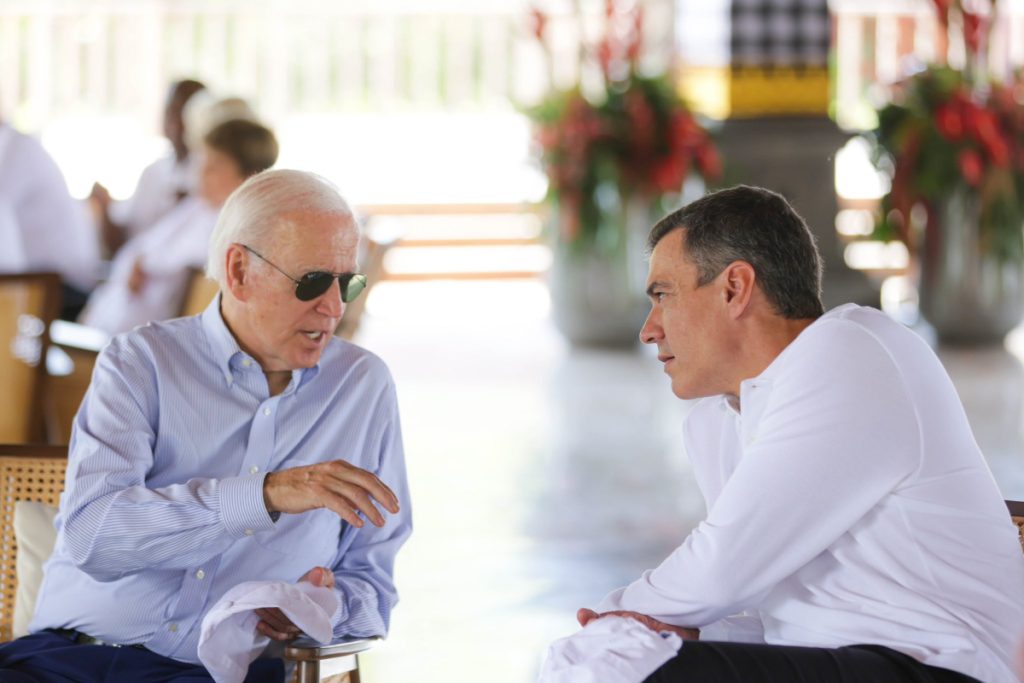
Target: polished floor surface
point(543, 476)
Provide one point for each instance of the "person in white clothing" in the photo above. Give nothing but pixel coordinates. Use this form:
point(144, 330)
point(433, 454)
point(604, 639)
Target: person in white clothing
point(854, 531)
point(149, 275)
point(41, 220)
point(163, 184)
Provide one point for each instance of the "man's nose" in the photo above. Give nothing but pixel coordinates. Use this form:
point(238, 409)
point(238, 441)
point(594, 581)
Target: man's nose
point(651, 332)
point(330, 303)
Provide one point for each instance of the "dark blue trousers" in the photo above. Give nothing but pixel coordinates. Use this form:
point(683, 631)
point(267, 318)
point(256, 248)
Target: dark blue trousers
point(47, 657)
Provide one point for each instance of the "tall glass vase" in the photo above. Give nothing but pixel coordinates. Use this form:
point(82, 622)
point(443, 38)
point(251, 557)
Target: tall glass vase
point(597, 281)
point(970, 292)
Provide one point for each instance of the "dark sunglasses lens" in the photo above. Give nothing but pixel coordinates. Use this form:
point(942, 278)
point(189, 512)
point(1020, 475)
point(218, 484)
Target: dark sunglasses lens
point(312, 285)
point(352, 286)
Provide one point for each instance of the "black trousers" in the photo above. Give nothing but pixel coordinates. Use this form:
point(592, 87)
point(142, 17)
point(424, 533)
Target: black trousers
point(716, 662)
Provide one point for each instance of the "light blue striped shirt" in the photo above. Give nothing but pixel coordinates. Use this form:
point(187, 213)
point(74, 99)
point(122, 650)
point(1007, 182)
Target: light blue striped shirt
point(163, 510)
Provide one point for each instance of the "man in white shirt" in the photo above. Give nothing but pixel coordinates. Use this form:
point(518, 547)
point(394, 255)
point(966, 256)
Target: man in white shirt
point(40, 219)
point(852, 518)
point(162, 185)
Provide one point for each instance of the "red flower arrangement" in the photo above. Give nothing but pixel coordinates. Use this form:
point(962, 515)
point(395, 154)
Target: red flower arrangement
point(949, 130)
point(632, 131)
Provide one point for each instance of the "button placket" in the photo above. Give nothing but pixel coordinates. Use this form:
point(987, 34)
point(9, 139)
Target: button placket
point(261, 439)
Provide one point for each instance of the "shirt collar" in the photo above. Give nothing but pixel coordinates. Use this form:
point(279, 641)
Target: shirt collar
point(230, 356)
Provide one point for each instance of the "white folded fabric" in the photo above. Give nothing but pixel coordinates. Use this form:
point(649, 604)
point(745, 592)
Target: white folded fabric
point(609, 650)
point(229, 641)
point(739, 628)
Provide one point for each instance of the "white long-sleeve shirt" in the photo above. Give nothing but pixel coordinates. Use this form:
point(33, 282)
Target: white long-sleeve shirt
point(161, 186)
point(178, 240)
point(848, 502)
point(53, 230)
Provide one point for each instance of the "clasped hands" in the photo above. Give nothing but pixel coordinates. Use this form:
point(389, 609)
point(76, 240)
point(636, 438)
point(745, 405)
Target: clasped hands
point(338, 486)
point(585, 616)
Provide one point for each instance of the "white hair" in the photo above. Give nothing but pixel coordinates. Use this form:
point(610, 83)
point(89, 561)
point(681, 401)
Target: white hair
point(204, 111)
point(250, 215)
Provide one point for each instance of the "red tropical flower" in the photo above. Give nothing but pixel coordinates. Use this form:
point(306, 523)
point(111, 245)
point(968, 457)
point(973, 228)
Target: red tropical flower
point(971, 166)
point(634, 133)
point(949, 121)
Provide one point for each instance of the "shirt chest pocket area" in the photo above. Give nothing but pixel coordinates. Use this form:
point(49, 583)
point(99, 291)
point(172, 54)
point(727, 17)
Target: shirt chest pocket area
point(311, 538)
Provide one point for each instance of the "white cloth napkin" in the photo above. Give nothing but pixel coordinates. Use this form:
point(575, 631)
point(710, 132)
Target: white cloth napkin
point(609, 650)
point(229, 641)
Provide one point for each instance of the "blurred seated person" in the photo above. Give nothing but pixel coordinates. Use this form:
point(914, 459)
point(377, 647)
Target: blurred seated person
point(162, 184)
point(49, 226)
point(149, 274)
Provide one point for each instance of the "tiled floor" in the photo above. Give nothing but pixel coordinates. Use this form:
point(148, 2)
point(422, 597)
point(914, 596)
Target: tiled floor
point(544, 477)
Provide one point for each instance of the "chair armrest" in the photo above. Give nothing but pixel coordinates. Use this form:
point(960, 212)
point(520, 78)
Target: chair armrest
point(303, 649)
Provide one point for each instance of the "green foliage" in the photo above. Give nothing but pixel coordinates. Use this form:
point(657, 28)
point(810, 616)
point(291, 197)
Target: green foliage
point(942, 135)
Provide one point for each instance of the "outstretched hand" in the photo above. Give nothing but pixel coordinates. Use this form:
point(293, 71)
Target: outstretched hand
point(585, 616)
point(337, 485)
point(273, 622)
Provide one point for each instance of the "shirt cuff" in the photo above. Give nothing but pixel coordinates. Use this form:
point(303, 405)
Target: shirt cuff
point(242, 509)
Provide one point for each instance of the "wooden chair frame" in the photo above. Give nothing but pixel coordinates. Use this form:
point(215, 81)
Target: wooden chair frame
point(199, 292)
point(35, 430)
point(36, 472)
point(64, 392)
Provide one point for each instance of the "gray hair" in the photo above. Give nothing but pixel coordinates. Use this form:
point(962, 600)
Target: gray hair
point(251, 214)
point(757, 226)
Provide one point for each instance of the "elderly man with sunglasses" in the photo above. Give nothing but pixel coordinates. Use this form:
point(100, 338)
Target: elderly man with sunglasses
point(244, 444)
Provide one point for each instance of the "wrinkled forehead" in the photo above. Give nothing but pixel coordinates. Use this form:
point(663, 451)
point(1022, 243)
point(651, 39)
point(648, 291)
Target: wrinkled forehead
point(312, 236)
point(318, 226)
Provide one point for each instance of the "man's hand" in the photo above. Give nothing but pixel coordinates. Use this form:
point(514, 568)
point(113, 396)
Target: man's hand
point(585, 616)
point(337, 485)
point(137, 278)
point(100, 196)
point(274, 624)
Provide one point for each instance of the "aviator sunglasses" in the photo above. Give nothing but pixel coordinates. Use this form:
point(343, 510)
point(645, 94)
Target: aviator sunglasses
point(311, 285)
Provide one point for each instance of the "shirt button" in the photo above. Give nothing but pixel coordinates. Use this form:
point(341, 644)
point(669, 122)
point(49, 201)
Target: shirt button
point(246, 362)
point(173, 628)
point(266, 411)
point(248, 532)
point(200, 574)
point(254, 469)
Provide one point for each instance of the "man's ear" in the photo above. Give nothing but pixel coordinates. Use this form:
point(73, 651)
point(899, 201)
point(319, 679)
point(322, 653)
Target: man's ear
point(739, 279)
point(236, 272)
